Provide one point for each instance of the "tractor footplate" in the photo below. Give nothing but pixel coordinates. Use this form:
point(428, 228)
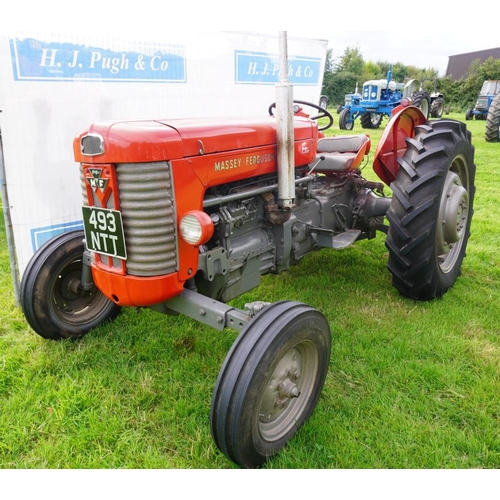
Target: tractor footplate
point(329, 239)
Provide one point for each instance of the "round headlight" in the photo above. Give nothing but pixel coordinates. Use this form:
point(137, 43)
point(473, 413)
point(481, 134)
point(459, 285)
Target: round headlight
point(196, 227)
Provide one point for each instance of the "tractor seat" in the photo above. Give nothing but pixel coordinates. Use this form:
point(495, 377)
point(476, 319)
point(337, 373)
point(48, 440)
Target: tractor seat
point(342, 153)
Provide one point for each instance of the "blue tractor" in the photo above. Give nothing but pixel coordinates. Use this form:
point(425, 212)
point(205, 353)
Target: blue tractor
point(378, 99)
point(488, 91)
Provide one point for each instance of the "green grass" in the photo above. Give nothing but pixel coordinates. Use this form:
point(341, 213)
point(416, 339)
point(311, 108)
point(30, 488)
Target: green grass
point(411, 385)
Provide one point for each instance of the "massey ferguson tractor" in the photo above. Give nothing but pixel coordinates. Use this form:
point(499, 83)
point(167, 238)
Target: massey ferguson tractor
point(182, 216)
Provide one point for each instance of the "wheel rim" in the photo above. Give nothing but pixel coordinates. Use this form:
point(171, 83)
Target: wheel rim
point(288, 390)
point(453, 215)
point(375, 119)
point(71, 304)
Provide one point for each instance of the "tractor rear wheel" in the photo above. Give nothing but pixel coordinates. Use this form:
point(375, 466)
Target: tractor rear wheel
point(270, 382)
point(431, 209)
point(492, 129)
point(437, 107)
point(371, 120)
point(422, 100)
point(345, 122)
point(52, 300)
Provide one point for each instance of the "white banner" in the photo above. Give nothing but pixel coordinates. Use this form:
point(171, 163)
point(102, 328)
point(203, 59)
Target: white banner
point(53, 86)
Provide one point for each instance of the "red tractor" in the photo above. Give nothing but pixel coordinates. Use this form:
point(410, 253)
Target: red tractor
point(182, 216)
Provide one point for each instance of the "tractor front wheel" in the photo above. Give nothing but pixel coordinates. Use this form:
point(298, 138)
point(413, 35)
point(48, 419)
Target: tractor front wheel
point(431, 209)
point(53, 302)
point(492, 129)
point(345, 122)
point(270, 382)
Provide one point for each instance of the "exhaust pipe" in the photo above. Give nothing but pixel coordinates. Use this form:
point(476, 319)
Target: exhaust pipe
point(284, 129)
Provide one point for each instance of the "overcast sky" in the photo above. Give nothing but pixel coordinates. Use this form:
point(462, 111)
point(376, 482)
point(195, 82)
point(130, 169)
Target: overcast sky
point(423, 34)
point(432, 51)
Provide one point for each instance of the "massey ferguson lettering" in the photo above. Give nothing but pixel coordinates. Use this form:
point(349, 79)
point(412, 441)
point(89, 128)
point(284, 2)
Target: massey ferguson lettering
point(227, 164)
point(244, 161)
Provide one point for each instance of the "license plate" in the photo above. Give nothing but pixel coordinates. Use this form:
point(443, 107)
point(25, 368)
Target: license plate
point(104, 231)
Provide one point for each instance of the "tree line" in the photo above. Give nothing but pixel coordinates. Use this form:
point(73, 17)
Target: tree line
point(344, 75)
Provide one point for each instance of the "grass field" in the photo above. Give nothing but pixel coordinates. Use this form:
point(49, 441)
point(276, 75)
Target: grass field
point(411, 385)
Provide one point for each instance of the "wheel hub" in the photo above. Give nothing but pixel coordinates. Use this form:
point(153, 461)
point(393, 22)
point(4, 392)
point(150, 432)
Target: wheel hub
point(282, 388)
point(68, 295)
point(453, 214)
point(69, 286)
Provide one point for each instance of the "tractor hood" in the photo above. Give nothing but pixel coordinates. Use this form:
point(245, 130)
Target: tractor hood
point(156, 140)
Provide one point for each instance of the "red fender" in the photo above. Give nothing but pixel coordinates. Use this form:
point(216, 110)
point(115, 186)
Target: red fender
point(392, 144)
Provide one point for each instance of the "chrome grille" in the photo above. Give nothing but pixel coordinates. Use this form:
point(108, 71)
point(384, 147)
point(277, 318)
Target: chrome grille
point(148, 211)
point(83, 186)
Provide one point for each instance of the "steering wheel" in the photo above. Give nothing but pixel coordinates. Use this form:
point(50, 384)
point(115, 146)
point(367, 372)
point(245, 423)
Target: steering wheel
point(322, 112)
